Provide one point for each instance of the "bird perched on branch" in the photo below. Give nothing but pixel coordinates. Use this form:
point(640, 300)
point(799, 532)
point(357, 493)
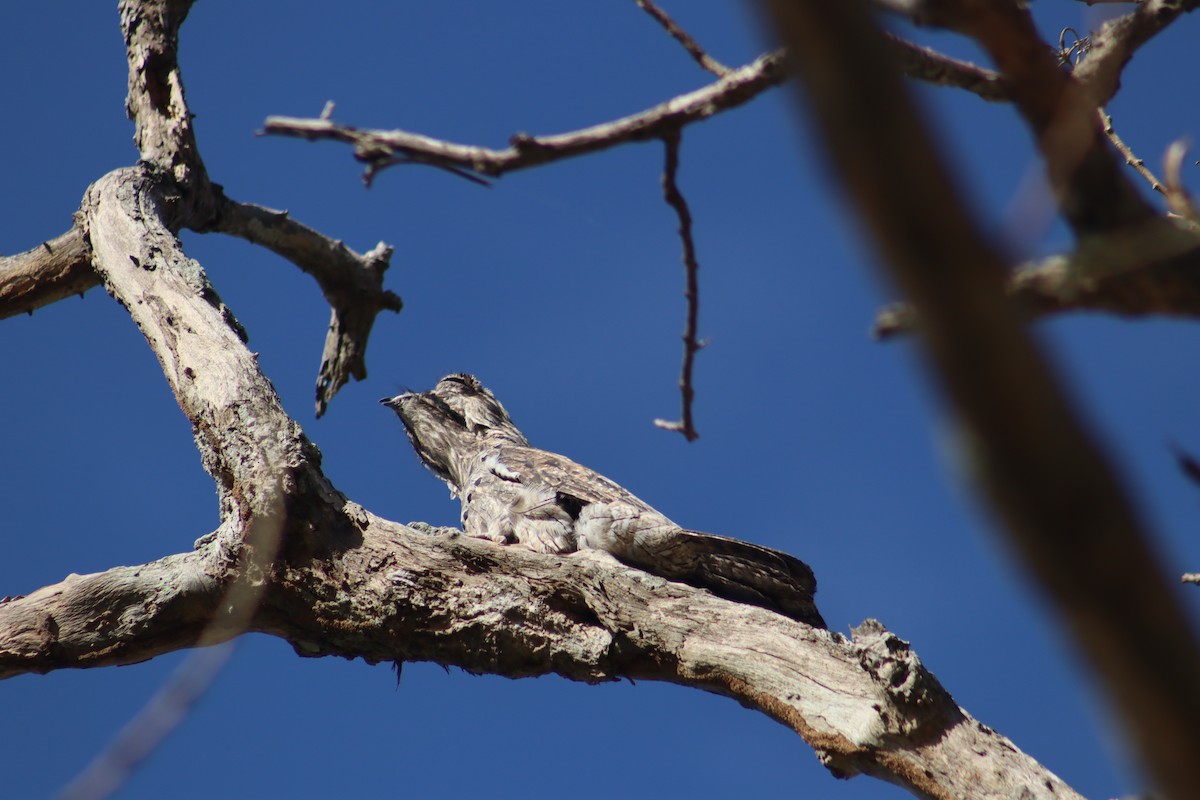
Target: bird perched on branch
point(513, 492)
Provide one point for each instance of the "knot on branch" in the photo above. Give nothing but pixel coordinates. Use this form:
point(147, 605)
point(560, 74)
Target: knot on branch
point(919, 700)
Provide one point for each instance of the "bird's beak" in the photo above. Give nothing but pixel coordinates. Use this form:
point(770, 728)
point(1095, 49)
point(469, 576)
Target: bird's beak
point(392, 402)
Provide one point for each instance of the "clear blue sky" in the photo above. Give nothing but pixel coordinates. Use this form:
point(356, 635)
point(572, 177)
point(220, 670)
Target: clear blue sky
point(561, 289)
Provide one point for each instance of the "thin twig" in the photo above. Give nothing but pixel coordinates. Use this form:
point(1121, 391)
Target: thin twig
point(1125, 150)
point(380, 148)
point(1178, 198)
point(926, 64)
point(684, 38)
point(675, 199)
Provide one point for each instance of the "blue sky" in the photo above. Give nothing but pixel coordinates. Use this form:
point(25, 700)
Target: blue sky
point(562, 289)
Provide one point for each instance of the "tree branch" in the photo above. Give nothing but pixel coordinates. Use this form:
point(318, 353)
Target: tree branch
point(867, 705)
point(1092, 191)
point(198, 342)
point(1119, 39)
point(684, 38)
point(691, 345)
point(155, 101)
point(46, 274)
point(930, 66)
point(1065, 511)
point(121, 616)
point(351, 282)
point(381, 149)
point(1152, 268)
point(1131, 158)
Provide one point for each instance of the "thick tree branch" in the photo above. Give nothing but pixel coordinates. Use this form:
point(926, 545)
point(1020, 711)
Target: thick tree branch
point(351, 282)
point(155, 101)
point(1092, 191)
point(1065, 511)
point(246, 440)
point(1148, 269)
point(1118, 39)
point(121, 616)
point(387, 593)
point(46, 274)
point(382, 149)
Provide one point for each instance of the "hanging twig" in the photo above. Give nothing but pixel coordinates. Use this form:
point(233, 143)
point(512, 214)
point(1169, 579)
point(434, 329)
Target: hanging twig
point(691, 346)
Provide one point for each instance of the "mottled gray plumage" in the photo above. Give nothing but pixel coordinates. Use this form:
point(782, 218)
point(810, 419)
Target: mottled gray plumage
point(513, 492)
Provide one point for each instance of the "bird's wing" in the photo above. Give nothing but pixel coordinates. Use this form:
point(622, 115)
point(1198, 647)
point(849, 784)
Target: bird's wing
point(539, 468)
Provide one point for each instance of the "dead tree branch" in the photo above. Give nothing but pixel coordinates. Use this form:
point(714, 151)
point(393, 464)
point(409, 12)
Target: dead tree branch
point(867, 704)
point(1118, 40)
point(677, 33)
point(351, 282)
point(1179, 200)
point(691, 345)
point(1093, 193)
point(46, 274)
point(381, 149)
point(1126, 151)
point(105, 619)
point(1137, 271)
point(930, 66)
point(155, 101)
point(1065, 512)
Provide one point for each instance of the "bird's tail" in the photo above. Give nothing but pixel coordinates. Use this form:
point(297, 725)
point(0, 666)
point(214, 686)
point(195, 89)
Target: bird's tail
point(750, 573)
point(730, 568)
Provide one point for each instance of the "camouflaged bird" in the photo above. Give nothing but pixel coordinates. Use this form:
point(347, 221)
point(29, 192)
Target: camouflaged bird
point(512, 492)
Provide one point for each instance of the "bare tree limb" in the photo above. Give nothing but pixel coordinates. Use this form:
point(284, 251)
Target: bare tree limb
point(867, 705)
point(1065, 511)
point(46, 274)
point(351, 282)
point(930, 66)
point(1136, 271)
point(40, 276)
point(691, 345)
point(379, 147)
point(1118, 39)
point(1125, 150)
point(1091, 190)
point(199, 344)
point(1179, 200)
point(121, 616)
point(164, 135)
point(677, 33)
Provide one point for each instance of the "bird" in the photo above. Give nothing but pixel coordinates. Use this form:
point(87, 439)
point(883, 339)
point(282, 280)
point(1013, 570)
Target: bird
point(514, 493)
